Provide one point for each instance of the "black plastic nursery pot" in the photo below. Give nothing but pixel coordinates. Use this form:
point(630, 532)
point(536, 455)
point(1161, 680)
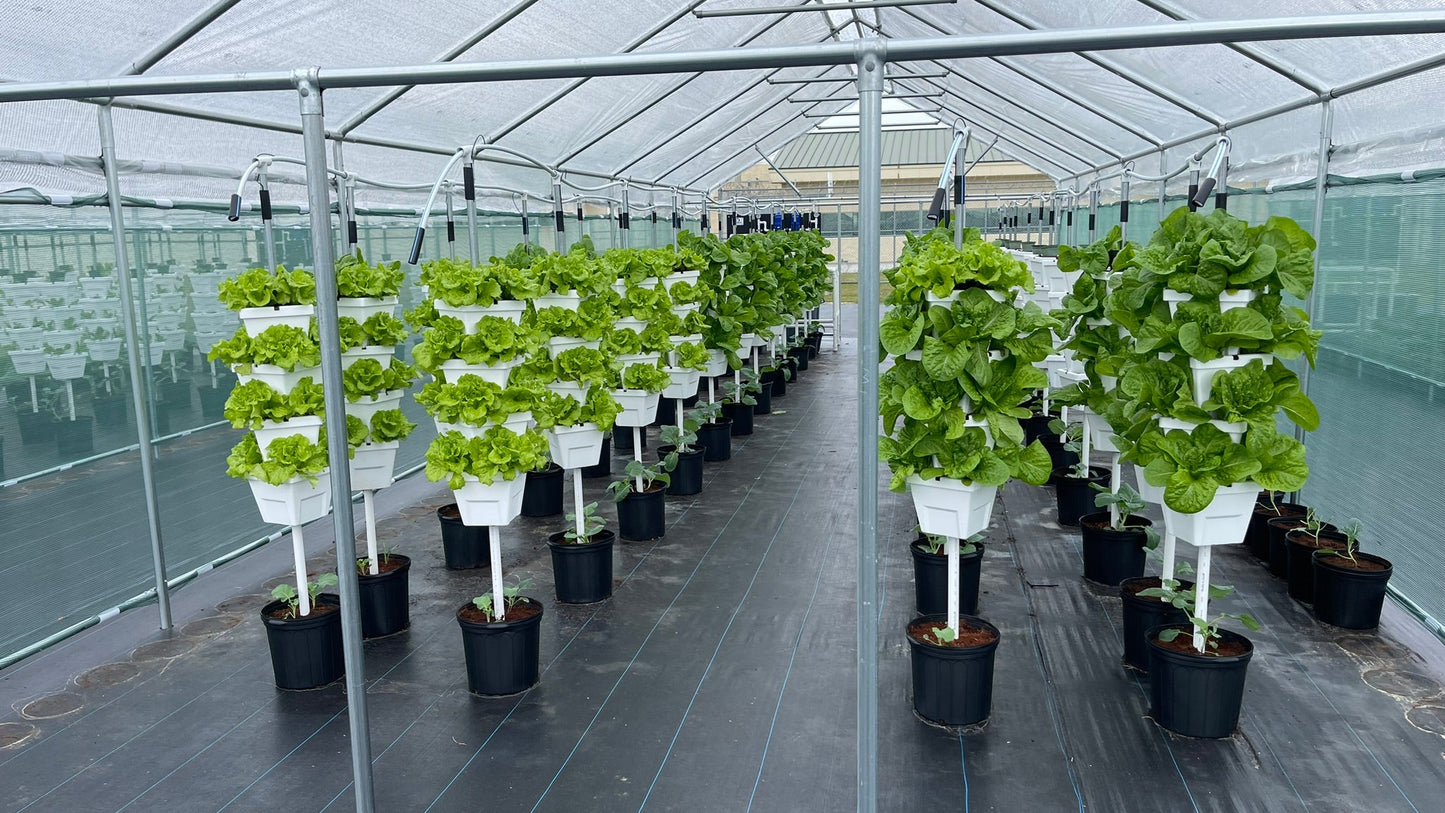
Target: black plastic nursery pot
point(1143, 613)
point(35, 427)
point(604, 462)
point(463, 546)
point(1300, 547)
point(791, 363)
point(1074, 496)
point(642, 515)
point(384, 597)
point(110, 411)
point(742, 417)
point(953, 685)
point(1278, 528)
point(815, 341)
point(779, 381)
point(764, 397)
point(1036, 426)
point(177, 394)
point(666, 412)
point(503, 657)
point(799, 355)
point(542, 496)
point(306, 651)
point(75, 437)
point(687, 475)
point(622, 439)
point(716, 440)
point(1112, 556)
point(1256, 539)
point(213, 402)
point(1060, 457)
point(1350, 595)
point(930, 579)
point(582, 573)
point(1194, 694)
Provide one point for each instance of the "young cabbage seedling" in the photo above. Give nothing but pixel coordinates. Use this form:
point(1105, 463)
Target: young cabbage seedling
point(1206, 631)
point(583, 529)
point(287, 593)
point(1122, 504)
point(1071, 437)
point(511, 595)
point(639, 472)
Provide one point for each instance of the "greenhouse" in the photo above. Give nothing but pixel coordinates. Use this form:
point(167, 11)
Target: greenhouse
point(727, 405)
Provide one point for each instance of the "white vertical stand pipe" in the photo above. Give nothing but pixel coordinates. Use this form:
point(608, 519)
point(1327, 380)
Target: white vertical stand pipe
point(950, 549)
point(368, 504)
point(1201, 594)
point(577, 505)
point(298, 563)
point(499, 596)
point(870, 159)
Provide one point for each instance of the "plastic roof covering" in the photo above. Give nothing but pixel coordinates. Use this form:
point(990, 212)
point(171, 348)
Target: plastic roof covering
point(1060, 113)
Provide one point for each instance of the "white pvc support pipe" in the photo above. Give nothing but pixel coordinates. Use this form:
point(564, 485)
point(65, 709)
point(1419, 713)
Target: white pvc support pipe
point(950, 549)
point(1169, 546)
point(837, 284)
point(637, 452)
point(1115, 475)
point(1201, 594)
point(298, 562)
point(368, 504)
point(70, 396)
point(499, 595)
point(577, 505)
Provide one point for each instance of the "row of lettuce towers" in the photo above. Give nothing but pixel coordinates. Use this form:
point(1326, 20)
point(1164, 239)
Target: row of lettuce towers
point(1175, 356)
point(531, 357)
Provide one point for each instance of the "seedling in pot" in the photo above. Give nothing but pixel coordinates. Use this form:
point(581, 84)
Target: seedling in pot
point(287, 593)
point(641, 476)
point(1123, 504)
point(1351, 533)
point(705, 413)
point(587, 526)
point(1206, 631)
point(935, 543)
point(1071, 438)
point(511, 595)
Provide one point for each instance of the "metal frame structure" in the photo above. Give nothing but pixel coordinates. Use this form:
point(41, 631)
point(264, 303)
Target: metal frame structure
point(870, 56)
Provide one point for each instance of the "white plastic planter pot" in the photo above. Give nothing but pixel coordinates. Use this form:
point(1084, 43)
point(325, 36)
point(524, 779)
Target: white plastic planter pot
point(368, 405)
point(1101, 435)
point(682, 309)
point(717, 363)
point(466, 430)
point(98, 287)
point(690, 277)
point(511, 309)
point(628, 359)
point(383, 354)
point(203, 286)
point(490, 504)
point(205, 340)
point(634, 325)
point(567, 300)
point(518, 422)
point(1229, 300)
point(1203, 372)
point(66, 367)
point(575, 447)
point(276, 378)
point(158, 357)
point(561, 344)
point(1173, 298)
point(454, 369)
point(1151, 494)
point(1223, 522)
point(308, 426)
point(676, 340)
point(468, 315)
point(620, 287)
point(109, 349)
point(684, 383)
point(639, 407)
point(1110, 382)
point(28, 338)
point(947, 507)
point(223, 323)
point(362, 308)
point(256, 320)
point(172, 342)
point(295, 502)
point(372, 465)
point(570, 389)
point(946, 301)
point(1235, 429)
point(28, 362)
point(62, 338)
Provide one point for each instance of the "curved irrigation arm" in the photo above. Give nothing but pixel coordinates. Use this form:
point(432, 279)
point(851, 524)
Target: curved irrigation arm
point(431, 199)
point(961, 137)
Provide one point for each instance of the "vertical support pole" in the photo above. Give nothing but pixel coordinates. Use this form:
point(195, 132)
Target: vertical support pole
point(624, 222)
point(345, 200)
point(469, 193)
point(1093, 213)
point(1201, 594)
point(837, 285)
point(950, 550)
point(870, 177)
point(1124, 208)
point(559, 217)
point(268, 231)
point(313, 136)
point(637, 452)
point(526, 224)
point(133, 350)
point(1317, 226)
point(1167, 544)
point(1163, 186)
point(577, 505)
point(451, 224)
